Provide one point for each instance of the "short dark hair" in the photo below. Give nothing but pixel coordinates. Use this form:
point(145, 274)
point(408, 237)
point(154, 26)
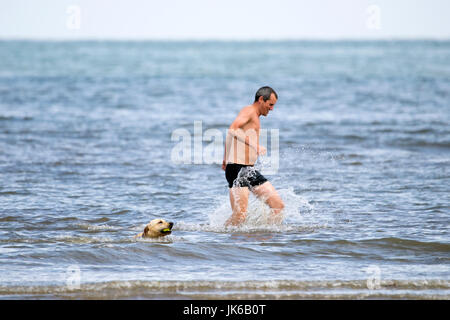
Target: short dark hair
point(265, 92)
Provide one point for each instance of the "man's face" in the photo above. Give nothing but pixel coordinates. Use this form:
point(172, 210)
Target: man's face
point(267, 106)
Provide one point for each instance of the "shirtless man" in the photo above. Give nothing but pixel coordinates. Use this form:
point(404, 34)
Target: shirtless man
point(241, 151)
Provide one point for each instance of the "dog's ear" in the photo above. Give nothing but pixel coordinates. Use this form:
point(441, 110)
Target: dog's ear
point(146, 229)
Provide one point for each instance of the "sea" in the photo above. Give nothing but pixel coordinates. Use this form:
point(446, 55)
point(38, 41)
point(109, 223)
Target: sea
point(97, 138)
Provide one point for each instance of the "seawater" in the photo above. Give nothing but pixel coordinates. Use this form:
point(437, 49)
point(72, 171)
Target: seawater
point(85, 163)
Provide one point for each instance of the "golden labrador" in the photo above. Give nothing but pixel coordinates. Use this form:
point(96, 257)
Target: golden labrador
point(156, 228)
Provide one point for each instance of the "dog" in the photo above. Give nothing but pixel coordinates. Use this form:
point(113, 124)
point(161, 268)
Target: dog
point(155, 229)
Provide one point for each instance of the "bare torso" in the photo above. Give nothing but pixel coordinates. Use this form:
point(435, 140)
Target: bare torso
point(242, 146)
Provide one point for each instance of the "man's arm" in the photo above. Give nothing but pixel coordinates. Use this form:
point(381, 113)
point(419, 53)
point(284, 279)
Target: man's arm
point(236, 129)
point(241, 120)
point(249, 137)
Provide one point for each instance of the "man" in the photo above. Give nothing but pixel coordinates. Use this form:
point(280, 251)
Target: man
point(241, 151)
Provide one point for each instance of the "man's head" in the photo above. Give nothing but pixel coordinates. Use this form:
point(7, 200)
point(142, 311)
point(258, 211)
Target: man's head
point(266, 98)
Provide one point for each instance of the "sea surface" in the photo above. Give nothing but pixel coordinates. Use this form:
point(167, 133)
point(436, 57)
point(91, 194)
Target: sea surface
point(95, 139)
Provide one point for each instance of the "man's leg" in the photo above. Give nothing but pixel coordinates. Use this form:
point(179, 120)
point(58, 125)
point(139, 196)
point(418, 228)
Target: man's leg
point(239, 203)
point(269, 195)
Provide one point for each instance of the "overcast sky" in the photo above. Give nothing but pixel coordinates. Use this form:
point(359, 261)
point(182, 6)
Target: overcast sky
point(224, 19)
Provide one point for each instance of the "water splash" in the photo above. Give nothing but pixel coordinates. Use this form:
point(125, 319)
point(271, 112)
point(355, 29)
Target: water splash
point(297, 211)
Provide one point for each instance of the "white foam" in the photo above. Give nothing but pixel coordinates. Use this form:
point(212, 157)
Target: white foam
point(295, 213)
point(92, 227)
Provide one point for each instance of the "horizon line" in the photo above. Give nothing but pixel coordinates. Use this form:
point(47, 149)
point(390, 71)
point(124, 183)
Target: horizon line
point(223, 39)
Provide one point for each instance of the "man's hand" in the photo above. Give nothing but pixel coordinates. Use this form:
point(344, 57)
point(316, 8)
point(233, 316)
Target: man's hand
point(224, 165)
point(261, 150)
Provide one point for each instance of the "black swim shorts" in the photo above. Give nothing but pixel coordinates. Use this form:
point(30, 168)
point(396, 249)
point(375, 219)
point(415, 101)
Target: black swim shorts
point(241, 175)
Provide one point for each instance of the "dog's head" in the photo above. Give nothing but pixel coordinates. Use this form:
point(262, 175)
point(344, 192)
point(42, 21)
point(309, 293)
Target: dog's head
point(157, 228)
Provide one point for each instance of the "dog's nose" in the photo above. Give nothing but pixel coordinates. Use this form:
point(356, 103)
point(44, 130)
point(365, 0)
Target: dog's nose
point(170, 225)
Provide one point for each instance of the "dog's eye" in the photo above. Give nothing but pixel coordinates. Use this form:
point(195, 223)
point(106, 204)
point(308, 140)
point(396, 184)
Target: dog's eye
point(160, 222)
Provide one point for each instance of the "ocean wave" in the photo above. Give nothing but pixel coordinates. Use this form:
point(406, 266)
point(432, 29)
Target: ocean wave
point(401, 243)
point(413, 142)
point(247, 228)
point(387, 243)
point(15, 118)
point(217, 289)
point(89, 240)
point(91, 227)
